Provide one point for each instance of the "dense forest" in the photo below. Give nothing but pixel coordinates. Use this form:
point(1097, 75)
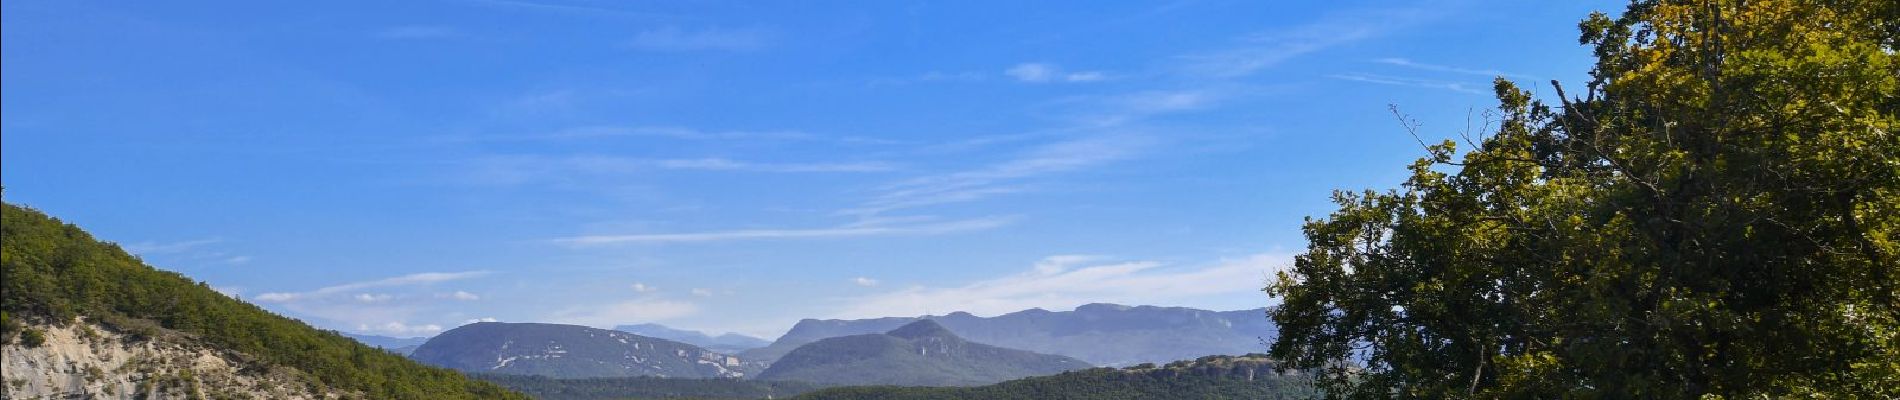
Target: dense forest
point(1212, 377)
point(646, 387)
point(1715, 214)
point(55, 272)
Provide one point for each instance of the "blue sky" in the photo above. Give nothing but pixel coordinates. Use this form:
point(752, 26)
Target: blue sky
point(400, 168)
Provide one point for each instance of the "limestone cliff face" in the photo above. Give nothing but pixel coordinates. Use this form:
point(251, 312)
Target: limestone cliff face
point(87, 361)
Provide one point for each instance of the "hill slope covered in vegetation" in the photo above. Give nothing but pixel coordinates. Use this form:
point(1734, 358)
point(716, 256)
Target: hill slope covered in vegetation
point(647, 387)
point(56, 274)
point(1212, 377)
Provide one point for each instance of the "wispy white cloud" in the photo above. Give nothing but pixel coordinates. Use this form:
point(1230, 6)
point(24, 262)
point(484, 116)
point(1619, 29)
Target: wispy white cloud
point(759, 234)
point(378, 306)
point(530, 169)
point(626, 312)
point(929, 77)
point(675, 39)
point(1057, 263)
point(1401, 62)
point(1061, 282)
point(1085, 76)
point(1003, 177)
point(586, 132)
point(571, 8)
point(155, 248)
point(1031, 72)
point(1161, 101)
point(275, 297)
point(863, 281)
point(1045, 73)
point(482, 319)
point(702, 292)
point(642, 288)
point(198, 251)
point(598, 132)
point(1266, 49)
point(405, 280)
point(722, 164)
point(399, 329)
point(1412, 82)
point(460, 295)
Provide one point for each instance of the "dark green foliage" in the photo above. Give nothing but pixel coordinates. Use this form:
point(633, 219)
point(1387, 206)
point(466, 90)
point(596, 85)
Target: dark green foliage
point(8, 327)
point(32, 338)
point(1715, 214)
point(56, 271)
point(567, 351)
point(646, 387)
point(1215, 377)
point(922, 353)
point(388, 343)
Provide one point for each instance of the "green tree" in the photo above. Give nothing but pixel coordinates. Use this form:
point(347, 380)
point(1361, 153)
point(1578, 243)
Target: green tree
point(1718, 216)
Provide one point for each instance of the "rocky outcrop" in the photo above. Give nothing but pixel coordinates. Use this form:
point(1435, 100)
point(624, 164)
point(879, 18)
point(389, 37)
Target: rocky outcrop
point(88, 361)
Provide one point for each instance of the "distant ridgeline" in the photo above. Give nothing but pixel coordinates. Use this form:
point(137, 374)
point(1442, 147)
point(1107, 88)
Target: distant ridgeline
point(1101, 334)
point(921, 353)
point(572, 351)
point(730, 343)
point(73, 301)
point(1213, 377)
point(647, 387)
point(397, 345)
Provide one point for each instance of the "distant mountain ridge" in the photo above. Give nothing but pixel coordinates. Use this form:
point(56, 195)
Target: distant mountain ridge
point(921, 353)
point(728, 343)
point(398, 345)
point(1101, 334)
point(571, 351)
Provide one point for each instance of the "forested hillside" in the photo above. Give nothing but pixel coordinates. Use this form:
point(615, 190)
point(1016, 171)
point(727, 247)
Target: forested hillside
point(56, 272)
point(1213, 377)
point(647, 387)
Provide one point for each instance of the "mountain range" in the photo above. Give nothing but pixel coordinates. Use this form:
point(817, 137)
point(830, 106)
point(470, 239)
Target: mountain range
point(570, 351)
point(921, 353)
point(402, 346)
point(1101, 334)
point(728, 343)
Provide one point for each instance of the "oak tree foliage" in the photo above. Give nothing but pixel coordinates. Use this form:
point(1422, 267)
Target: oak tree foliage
point(1715, 214)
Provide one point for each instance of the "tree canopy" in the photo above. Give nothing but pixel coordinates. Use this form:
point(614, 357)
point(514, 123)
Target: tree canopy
point(1716, 214)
